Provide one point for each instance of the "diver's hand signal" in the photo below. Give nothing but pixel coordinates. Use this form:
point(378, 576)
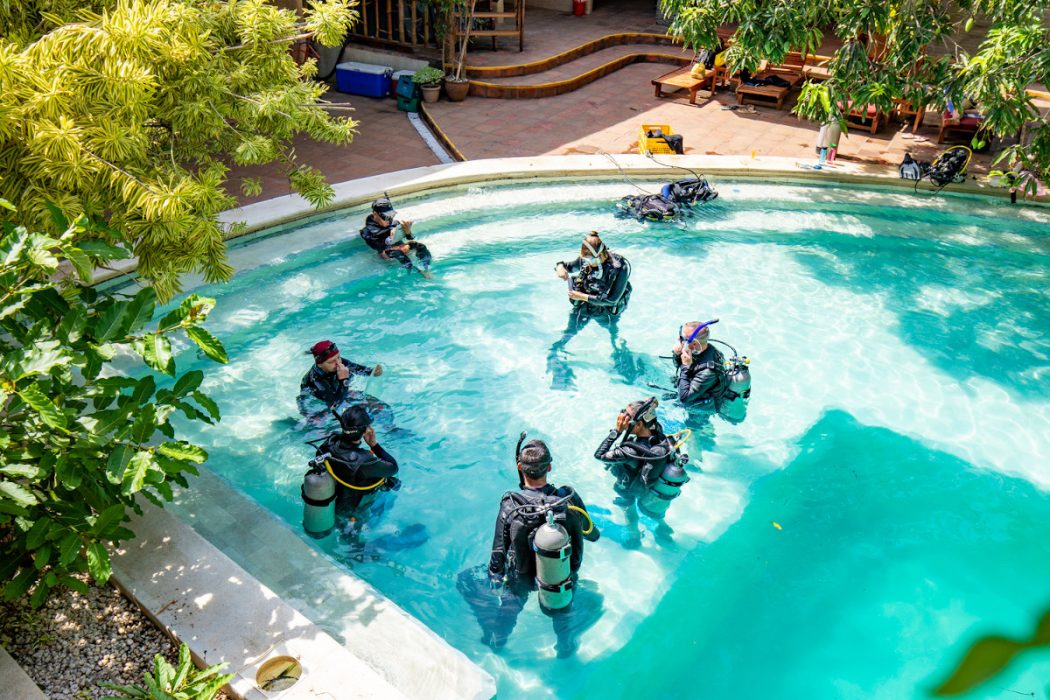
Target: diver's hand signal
point(623, 422)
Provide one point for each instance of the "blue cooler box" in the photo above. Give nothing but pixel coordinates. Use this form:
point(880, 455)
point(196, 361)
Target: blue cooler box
point(363, 79)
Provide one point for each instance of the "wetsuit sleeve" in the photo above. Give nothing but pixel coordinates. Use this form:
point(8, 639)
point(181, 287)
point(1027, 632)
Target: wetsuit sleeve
point(605, 453)
point(612, 294)
point(572, 266)
point(356, 368)
point(385, 465)
point(498, 557)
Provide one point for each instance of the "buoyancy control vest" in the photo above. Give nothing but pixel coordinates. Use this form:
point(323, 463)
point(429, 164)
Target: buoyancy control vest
point(689, 192)
point(649, 207)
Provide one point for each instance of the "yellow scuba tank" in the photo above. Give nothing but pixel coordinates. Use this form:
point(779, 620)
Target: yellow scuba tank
point(552, 546)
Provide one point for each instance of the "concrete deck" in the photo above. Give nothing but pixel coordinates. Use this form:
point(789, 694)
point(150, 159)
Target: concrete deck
point(16, 685)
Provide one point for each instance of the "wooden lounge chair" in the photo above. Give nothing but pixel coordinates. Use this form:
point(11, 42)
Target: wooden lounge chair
point(681, 79)
point(764, 94)
point(964, 126)
point(865, 116)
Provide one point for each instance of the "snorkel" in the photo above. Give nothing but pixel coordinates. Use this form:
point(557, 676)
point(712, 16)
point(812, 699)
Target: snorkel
point(696, 331)
point(517, 459)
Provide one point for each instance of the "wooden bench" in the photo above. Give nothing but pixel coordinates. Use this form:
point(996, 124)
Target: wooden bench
point(680, 79)
point(764, 94)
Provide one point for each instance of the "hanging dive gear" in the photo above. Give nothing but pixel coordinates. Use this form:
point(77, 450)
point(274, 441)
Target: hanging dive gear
point(689, 192)
point(552, 546)
point(318, 493)
point(950, 166)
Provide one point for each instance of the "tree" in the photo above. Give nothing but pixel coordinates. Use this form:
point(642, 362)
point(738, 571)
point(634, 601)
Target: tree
point(79, 436)
point(128, 111)
point(897, 49)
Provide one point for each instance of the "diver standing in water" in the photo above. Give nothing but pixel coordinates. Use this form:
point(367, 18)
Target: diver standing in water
point(599, 288)
point(393, 239)
point(647, 464)
point(326, 386)
point(345, 478)
point(538, 545)
point(703, 377)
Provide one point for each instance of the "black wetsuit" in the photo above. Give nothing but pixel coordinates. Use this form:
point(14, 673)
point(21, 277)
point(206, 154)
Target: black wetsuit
point(704, 381)
point(377, 236)
point(512, 542)
point(609, 292)
point(636, 461)
point(319, 390)
point(356, 468)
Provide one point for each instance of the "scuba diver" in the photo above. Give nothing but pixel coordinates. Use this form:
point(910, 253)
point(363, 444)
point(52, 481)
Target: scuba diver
point(393, 239)
point(345, 478)
point(538, 545)
point(703, 377)
point(327, 384)
point(599, 288)
point(647, 464)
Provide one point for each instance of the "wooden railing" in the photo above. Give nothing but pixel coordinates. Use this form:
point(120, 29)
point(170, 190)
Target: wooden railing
point(397, 23)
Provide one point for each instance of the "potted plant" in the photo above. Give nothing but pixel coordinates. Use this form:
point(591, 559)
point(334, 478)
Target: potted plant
point(428, 79)
point(457, 86)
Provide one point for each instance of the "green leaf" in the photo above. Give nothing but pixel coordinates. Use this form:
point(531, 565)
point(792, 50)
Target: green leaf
point(68, 549)
point(41, 557)
point(985, 659)
point(19, 585)
point(183, 451)
point(68, 472)
point(145, 423)
point(98, 562)
point(135, 474)
point(110, 324)
point(208, 343)
point(156, 351)
point(7, 205)
point(81, 263)
point(38, 533)
point(29, 471)
point(107, 519)
point(39, 594)
point(103, 250)
point(60, 220)
point(17, 493)
point(39, 358)
point(207, 404)
point(47, 411)
point(74, 584)
point(188, 382)
point(13, 245)
point(140, 309)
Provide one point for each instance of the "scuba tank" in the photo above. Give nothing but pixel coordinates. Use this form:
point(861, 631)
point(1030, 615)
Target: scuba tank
point(552, 546)
point(666, 488)
point(733, 403)
point(318, 492)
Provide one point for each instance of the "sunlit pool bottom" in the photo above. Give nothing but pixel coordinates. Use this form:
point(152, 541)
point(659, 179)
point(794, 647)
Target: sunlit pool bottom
point(882, 506)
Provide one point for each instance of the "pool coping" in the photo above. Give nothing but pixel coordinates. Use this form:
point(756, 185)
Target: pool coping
point(251, 218)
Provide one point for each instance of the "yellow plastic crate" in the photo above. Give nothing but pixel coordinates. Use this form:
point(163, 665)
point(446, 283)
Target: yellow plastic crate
point(654, 145)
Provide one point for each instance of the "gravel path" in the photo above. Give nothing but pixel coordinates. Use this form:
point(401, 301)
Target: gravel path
point(77, 641)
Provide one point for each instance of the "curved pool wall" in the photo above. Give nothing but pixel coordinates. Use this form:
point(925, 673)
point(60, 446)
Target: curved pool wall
point(921, 386)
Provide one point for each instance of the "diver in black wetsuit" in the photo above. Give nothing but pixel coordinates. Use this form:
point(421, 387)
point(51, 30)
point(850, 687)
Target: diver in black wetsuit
point(382, 235)
point(327, 383)
point(599, 289)
point(360, 474)
point(647, 464)
point(511, 570)
point(700, 375)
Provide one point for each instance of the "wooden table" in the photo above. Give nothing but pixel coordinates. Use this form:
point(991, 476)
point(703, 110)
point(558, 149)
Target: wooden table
point(680, 79)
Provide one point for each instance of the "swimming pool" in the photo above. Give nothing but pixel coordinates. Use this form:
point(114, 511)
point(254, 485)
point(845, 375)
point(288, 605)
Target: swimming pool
point(898, 434)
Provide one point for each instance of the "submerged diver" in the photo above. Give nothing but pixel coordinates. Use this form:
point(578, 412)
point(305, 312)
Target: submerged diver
point(647, 464)
point(393, 239)
point(538, 545)
point(345, 479)
point(327, 383)
point(599, 288)
point(703, 378)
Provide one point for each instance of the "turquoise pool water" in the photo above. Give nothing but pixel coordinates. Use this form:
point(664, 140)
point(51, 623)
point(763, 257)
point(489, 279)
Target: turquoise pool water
point(884, 504)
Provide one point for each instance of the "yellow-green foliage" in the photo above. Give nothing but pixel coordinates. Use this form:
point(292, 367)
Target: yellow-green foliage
point(129, 109)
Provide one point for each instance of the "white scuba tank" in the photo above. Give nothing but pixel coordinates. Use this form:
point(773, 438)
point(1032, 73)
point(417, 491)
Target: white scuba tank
point(318, 493)
point(665, 489)
point(733, 406)
point(552, 546)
